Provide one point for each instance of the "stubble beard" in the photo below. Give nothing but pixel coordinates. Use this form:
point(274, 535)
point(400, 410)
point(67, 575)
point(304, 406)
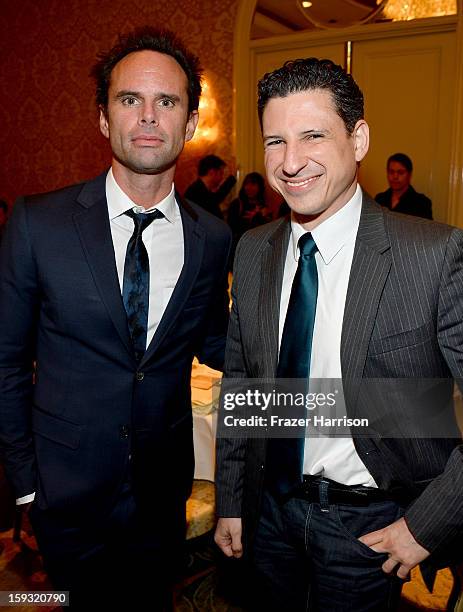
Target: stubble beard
point(161, 162)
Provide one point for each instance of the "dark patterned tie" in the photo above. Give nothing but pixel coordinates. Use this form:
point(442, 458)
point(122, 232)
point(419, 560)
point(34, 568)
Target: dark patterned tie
point(136, 285)
point(285, 455)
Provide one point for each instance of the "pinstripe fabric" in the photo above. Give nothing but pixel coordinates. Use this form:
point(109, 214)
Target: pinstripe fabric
point(403, 318)
point(272, 268)
point(252, 351)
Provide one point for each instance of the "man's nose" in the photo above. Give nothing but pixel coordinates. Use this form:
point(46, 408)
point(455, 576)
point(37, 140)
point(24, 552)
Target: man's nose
point(295, 159)
point(148, 114)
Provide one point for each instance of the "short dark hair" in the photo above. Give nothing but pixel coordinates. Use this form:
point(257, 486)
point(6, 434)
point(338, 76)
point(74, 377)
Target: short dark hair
point(257, 179)
point(148, 39)
point(210, 162)
point(310, 74)
point(403, 159)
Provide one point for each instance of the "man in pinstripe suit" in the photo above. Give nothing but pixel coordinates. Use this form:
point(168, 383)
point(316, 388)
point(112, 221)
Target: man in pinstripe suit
point(389, 305)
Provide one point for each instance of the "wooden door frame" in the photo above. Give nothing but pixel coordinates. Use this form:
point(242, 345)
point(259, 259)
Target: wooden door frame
point(244, 89)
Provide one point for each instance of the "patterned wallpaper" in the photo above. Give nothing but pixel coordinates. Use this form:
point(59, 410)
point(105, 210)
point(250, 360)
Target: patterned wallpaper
point(49, 135)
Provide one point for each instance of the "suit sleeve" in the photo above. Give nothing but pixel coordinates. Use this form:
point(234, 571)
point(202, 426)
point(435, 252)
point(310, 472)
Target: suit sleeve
point(230, 453)
point(436, 517)
point(212, 349)
point(19, 299)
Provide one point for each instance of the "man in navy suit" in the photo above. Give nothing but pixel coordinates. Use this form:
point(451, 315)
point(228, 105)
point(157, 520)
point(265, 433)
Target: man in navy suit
point(99, 450)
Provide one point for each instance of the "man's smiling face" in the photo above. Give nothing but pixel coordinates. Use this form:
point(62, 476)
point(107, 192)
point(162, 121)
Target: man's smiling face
point(310, 158)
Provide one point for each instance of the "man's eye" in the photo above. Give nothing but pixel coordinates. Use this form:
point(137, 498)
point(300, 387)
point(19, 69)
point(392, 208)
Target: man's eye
point(314, 136)
point(271, 143)
point(130, 101)
point(166, 102)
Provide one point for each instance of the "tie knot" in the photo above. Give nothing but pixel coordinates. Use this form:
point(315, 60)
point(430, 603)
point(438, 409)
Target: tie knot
point(142, 220)
point(307, 245)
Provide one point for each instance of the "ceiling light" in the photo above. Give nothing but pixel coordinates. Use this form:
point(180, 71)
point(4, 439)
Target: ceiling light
point(306, 4)
point(397, 10)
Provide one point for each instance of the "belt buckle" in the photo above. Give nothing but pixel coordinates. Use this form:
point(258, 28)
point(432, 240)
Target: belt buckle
point(349, 495)
point(356, 491)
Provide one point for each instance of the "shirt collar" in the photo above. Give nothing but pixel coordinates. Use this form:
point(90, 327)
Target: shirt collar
point(119, 201)
point(331, 235)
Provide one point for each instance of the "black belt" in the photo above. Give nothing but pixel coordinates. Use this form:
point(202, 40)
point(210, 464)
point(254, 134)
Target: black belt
point(337, 493)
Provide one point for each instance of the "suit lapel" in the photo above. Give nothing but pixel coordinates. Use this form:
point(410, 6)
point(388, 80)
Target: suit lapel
point(92, 224)
point(273, 262)
point(370, 268)
point(194, 238)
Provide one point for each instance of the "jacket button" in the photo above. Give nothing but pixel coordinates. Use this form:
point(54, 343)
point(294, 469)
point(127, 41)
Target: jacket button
point(140, 376)
point(124, 431)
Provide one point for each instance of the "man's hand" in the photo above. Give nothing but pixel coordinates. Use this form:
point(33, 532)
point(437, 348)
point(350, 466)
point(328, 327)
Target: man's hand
point(228, 537)
point(398, 542)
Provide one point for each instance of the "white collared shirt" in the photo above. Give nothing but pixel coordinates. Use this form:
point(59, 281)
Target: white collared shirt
point(163, 240)
point(335, 458)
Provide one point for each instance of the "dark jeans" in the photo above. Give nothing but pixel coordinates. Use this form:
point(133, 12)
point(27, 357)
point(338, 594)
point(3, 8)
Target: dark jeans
point(308, 557)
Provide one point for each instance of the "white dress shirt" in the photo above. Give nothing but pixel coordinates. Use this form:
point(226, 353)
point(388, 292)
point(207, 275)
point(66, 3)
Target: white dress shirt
point(334, 458)
point(163, 240)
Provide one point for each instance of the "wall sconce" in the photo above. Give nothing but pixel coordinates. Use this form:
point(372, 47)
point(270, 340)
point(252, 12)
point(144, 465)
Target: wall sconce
point(208, 129)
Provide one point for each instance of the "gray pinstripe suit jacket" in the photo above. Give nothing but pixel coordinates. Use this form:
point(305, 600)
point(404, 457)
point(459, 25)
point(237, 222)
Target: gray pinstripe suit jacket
point(403, 318)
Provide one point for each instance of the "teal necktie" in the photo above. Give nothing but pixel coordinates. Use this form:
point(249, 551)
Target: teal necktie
point(285, 455)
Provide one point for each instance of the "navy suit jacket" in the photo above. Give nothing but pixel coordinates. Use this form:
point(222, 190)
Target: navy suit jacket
point(69, 436)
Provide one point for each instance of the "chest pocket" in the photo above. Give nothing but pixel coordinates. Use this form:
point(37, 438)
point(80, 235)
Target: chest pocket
point(404, 339)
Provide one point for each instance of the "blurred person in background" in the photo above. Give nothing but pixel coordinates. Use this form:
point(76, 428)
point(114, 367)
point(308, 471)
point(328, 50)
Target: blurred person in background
point(249, 209)
point(210, 190)
point(401, 197)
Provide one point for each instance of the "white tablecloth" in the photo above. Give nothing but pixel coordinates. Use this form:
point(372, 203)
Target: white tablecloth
point(205, 384)
point(204, 429)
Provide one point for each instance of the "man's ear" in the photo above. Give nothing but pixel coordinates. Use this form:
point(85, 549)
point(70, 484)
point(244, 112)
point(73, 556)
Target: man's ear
point(191, 125)
point(104, 124)
point(361, 136)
